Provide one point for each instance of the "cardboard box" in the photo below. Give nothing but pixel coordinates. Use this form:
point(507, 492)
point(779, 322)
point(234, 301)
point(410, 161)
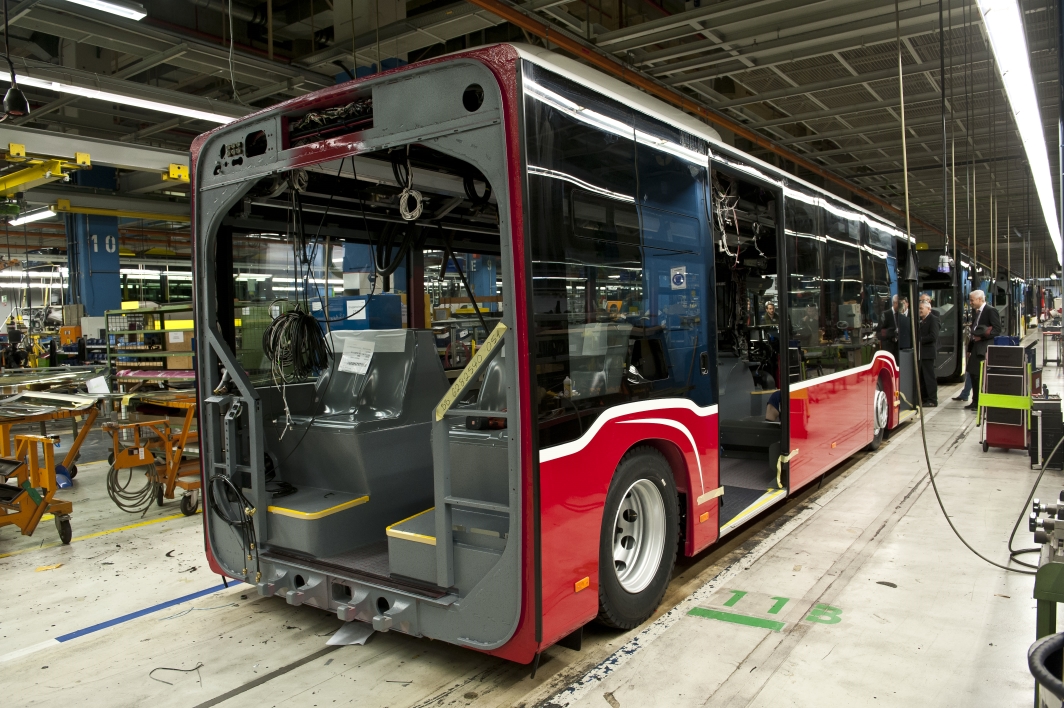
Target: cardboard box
point(178, 341)
point(181, 363)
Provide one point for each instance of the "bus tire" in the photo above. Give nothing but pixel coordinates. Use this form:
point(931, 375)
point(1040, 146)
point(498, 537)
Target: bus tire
point(880, 415)
point(637, 546)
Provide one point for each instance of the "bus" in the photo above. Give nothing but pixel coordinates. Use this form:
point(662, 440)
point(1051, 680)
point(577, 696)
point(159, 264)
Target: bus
point(949, 301)
point(673, 337)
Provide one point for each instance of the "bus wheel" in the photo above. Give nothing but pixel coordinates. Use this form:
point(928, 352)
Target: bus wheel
point(637, 548)
point(880, 411)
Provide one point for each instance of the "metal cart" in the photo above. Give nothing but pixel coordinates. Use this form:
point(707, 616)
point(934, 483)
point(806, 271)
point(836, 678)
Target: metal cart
point(155, 444)
point(24, 503)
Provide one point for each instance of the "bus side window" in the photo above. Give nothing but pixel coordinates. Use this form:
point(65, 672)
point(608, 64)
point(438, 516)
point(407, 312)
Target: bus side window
point(804, 296)
point(875, 253)
point(842, 290)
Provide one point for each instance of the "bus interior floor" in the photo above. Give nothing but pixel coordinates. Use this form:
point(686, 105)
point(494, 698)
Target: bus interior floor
point(853, 592)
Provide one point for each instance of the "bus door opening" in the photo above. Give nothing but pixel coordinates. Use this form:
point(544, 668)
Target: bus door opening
point(748, 345)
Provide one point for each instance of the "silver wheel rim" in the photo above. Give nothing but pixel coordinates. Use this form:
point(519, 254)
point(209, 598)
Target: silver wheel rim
point(880, 417)
point(639, 536)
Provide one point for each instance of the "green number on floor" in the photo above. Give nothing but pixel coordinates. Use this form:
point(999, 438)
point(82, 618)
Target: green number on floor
point(735, 597)
point(780, 602)
point(824, 614)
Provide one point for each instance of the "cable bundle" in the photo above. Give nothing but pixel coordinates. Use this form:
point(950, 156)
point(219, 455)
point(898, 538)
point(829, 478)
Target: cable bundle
point(231, 506)
point(294, 342)
point(131, 499)
point(404, 177)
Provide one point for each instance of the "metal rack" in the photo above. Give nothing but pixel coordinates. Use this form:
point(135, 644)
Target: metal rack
point(137, 344)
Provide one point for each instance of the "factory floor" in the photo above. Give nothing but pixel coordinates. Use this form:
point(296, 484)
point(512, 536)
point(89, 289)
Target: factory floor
point(854, 592)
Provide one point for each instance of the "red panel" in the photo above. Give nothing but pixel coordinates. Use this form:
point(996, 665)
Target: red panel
point(831, 419)
point(575, 477)
point(1006, 436)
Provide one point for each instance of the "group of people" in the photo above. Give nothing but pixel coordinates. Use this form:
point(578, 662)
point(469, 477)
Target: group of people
point(895, 335)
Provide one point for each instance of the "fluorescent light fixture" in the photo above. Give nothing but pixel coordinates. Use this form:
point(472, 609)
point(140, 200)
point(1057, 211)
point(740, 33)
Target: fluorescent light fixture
point(122, 8)
point(30, 216)
point(1004, 25)
point(110, 97)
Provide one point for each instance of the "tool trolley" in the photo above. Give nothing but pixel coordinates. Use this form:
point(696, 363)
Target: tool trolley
point(29, 486)
point(169, 458)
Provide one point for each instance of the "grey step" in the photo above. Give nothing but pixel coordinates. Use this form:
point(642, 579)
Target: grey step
point(319, 522)
point(479, 539)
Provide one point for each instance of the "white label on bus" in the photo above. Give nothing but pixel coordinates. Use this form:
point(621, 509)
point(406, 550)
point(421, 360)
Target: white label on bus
point(679, 278)
point(315, 306)
point(356, 309)
point(356, 357)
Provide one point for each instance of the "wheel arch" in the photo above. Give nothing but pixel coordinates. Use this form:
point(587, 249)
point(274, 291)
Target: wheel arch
point(673, 455)
point(886, 371)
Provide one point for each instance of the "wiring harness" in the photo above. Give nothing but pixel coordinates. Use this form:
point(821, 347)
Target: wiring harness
point(295, 346)
point(232, 507)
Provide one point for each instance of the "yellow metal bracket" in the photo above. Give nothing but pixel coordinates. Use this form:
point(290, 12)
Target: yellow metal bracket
point(64, 206)
point(37, 171)
point(176, 173)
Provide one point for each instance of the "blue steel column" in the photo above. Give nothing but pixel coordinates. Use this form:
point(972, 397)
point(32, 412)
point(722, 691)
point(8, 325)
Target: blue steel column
point(92, 250)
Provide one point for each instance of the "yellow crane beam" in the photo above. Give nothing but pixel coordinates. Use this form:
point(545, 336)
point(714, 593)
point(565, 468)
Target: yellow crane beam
point(63, 206)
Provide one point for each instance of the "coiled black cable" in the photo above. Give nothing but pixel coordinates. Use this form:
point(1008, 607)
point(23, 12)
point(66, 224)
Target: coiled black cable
point(387, 263)
point(130, 498)
point(295, 346)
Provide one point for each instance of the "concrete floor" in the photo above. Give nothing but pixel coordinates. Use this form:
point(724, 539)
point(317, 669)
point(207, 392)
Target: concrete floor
point(132, 616)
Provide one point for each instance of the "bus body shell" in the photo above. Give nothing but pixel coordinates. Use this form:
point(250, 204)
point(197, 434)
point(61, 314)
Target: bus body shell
point(562, 511)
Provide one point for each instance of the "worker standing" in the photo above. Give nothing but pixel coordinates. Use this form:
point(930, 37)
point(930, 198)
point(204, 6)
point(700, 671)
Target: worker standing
point(986, 324)
point(928, 344)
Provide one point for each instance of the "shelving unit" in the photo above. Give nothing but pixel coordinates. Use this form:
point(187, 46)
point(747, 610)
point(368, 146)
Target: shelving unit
point(141, 348)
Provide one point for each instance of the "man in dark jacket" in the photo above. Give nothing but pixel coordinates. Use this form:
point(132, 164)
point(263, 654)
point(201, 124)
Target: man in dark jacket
point(986, 324)
point(928, 332)
point(893, 330)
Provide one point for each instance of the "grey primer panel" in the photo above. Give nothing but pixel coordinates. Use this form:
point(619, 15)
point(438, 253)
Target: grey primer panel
point(301, 562)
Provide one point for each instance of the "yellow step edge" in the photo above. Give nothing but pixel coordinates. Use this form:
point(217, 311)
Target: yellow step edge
point(311, 515)
point(768, 496)
point(407, 535)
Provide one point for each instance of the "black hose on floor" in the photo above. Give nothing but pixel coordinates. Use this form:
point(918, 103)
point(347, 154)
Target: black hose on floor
point(134, 500)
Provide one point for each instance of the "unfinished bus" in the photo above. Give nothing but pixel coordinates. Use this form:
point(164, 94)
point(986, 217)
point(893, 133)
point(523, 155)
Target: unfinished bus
point(634, 294)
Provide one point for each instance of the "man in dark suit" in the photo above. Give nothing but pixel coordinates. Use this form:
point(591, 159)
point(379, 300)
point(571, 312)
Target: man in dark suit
point(986, 324)
point(893, 329)
point(929, 327)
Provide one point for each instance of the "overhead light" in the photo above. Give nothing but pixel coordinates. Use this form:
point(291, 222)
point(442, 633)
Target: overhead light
point(15, 103)
point(110, 97)
point(36, 215)
point(1004, 25)
point(122, 8)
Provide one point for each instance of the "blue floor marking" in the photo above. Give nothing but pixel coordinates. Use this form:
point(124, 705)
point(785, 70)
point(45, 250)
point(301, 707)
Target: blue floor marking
point(139, 613)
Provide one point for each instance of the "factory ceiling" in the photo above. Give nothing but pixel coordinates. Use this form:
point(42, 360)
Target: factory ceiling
point(811, 86)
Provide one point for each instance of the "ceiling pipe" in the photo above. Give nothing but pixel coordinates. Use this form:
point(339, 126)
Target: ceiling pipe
point(593, 55)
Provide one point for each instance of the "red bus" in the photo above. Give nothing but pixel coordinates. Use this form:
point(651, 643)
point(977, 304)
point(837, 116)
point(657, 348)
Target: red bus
point(485, 341)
